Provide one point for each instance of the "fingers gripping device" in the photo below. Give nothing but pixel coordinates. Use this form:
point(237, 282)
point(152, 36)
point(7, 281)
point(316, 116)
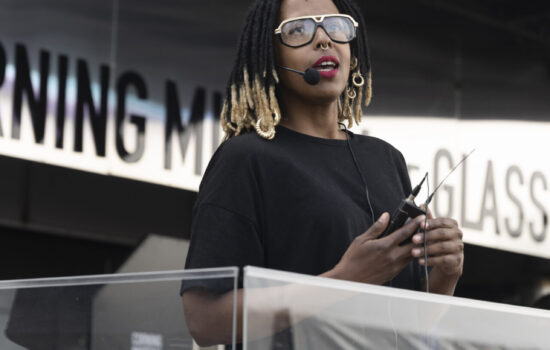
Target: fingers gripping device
point(406, 210)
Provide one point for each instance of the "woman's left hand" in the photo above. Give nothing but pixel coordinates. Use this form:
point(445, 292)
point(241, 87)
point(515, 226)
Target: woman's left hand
point(444, 244)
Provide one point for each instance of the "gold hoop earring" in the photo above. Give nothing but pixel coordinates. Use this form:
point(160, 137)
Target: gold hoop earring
point(346, 110)
point(358, 79)
point(354, 63)
point(351, 93)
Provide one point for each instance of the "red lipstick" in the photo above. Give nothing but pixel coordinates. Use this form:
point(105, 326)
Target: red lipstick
point(327, 66)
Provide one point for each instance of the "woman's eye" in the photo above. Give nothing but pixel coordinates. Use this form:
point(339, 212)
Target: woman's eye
point(297, 30)
point(334, 27)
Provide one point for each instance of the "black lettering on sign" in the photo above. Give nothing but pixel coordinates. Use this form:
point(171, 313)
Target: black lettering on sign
point(489, 195)
point(540, 235)
point(62, 68)
point(84, 99)
point(443, 154)
point(125, 81)
point(465, 222)
point(23, 86)
point(514, 170)
point(3, 66)
point(173, 120)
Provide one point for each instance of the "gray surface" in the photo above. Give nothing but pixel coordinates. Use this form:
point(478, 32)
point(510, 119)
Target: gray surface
point(6, 300)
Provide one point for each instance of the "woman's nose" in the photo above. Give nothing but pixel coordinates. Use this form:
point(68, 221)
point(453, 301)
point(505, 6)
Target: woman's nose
point(322, 40)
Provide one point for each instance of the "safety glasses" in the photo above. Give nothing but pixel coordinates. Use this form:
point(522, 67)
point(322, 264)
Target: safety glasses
point(300, 31)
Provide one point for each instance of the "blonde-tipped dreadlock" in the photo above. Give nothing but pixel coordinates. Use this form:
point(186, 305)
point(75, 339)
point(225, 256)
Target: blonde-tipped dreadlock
point(251, 101)
point(351, 109)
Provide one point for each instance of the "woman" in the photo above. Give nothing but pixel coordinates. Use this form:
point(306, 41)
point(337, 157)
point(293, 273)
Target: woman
point(289, 189)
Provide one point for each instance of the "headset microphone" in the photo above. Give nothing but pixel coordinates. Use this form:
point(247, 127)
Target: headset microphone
point(311, 75)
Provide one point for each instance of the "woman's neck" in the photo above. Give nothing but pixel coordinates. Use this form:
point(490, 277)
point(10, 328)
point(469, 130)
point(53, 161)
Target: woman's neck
point(314, 119)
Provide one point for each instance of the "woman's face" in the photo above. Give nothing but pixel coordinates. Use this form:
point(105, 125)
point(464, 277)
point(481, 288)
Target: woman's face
point(302, 58)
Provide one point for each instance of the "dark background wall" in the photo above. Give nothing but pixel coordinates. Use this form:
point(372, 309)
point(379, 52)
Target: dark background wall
point(483, 59)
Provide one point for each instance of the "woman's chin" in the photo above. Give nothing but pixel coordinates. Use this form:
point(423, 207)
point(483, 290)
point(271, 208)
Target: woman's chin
point(327, 93)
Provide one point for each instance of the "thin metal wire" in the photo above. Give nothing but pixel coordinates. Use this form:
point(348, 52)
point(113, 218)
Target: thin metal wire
point(359, 171)
point(426, 275)
point(430, 197)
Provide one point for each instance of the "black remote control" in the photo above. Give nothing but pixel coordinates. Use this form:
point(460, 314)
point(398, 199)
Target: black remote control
point(405, 211)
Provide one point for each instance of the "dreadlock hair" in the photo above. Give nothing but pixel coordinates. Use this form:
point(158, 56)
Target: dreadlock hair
point(251, 99)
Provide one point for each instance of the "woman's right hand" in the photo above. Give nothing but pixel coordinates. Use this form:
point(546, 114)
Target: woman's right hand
point(375, 260)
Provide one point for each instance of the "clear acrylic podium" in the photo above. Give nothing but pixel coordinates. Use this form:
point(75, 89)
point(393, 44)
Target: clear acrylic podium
point(137, 311)
point(280, 310)
point(287, 310)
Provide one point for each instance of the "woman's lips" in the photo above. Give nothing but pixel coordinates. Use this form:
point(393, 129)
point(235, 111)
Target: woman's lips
point(327, 66)
point(328, 73)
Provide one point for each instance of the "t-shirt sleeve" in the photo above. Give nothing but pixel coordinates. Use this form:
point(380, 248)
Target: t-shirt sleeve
point(226, 218)
point(403, 172)
point(221, 238)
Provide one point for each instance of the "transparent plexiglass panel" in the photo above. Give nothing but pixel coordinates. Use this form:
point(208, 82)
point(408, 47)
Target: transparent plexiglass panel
point(292, 311)
point(138, 311)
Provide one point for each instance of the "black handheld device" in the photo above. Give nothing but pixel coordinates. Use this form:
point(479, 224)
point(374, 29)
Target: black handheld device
point(406, 210)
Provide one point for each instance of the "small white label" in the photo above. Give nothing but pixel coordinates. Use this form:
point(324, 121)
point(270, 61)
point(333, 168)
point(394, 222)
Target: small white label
point(146, 341)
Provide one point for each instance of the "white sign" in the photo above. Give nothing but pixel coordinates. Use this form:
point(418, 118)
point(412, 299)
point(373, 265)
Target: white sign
point(96, 129)
point(500, 196)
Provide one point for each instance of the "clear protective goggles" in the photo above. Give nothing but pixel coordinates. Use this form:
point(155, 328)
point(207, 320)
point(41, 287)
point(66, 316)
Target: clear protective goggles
point(300, 31)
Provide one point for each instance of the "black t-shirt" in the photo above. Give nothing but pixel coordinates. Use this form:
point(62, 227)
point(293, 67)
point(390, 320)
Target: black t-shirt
point(293, 203)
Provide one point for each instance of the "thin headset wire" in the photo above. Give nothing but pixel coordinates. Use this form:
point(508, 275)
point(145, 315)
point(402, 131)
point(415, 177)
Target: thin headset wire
point(426, 276)
point(359, 171)
point(372, 216)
